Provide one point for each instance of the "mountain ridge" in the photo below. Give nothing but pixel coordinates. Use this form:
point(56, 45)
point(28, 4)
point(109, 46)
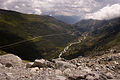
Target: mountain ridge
point(100, 39)
point(101, 35)
point(15, 26)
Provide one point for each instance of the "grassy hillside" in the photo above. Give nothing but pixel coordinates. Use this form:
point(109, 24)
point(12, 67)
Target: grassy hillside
point(16, 26)
point(89, 25)
point(98, 41)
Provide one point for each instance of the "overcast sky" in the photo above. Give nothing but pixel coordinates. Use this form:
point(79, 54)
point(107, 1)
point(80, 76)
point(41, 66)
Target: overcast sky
point(95, 9)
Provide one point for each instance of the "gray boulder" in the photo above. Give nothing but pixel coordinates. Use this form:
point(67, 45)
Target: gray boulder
point(63, 64)
point(1, 65)
point(33, 70)
point(41, 63)
point(29, 65)
point(10, 60)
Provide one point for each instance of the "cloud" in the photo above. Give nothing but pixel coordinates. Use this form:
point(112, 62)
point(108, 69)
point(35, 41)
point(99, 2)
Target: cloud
point(17, 7)
point(57, 7)
point(54, 7)
point(38, 11)
point(108, 12)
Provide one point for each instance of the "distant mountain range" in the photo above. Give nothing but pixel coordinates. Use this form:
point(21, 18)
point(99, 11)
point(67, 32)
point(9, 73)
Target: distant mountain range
point(68, 19)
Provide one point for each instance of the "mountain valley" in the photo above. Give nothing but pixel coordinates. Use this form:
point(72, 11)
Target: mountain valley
point(40, 47)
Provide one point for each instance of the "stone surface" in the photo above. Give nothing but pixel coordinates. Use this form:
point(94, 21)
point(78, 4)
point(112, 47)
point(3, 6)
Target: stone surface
point(58, 72)
point(67, 72)
point(1, 65)
point(29, 65)
point(64, 65)
point(103, 67)
point(40, 63)
point(35, 69)
point(10, 60)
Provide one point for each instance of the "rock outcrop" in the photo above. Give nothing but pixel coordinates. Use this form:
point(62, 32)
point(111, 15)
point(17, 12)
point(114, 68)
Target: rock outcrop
point(10, 60)
point(102, 67)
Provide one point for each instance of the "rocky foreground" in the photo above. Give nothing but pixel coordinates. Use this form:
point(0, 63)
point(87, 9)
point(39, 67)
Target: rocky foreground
point(102, 67)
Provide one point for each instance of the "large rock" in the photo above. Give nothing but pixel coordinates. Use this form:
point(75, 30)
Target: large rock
point(34, 70)
point(61, 78)
point(29, 65)
point(89, 77)
point(63, 64)
point(109, 75)
point(1, 65)
point(67, 72)
point(10, 60)
point(41, 63)
point(58, 72)
point(9, 76)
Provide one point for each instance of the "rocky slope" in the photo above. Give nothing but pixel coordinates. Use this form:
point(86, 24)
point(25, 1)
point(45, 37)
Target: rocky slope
point(102, 67)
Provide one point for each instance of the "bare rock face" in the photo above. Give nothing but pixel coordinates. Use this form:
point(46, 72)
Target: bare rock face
point(10, 60)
